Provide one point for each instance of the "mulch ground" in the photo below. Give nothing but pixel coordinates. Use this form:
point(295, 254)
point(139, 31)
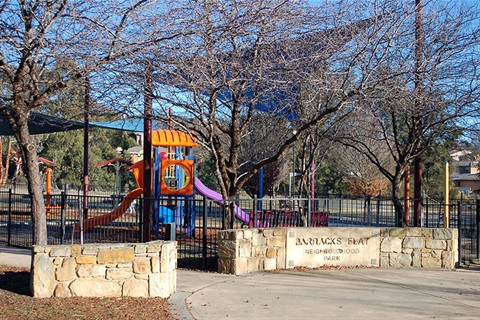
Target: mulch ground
point(17, 303)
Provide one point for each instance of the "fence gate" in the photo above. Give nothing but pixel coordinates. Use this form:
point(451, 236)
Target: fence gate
point(196, 234)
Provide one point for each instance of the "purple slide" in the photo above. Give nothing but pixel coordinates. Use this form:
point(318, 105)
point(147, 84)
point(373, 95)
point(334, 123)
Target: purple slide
point(215, 196)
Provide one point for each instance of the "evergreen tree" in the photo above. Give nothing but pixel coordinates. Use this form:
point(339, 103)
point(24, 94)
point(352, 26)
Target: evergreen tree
point(435, 157)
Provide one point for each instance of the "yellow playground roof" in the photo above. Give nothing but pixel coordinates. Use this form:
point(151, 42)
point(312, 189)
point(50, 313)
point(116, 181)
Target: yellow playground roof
point(172, 138)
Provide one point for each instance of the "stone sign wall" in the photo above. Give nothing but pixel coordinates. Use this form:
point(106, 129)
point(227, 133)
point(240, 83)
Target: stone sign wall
point(309, 247)
point(251, 250)
point(105, 270)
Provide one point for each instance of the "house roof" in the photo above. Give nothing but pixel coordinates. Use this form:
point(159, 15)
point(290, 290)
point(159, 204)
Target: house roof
point(465, 163)
point(113, 161)
point(466, 177)
point(135, 150)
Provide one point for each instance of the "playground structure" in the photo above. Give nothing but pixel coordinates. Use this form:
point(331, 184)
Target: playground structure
point(174, 186)
point(215, 196)
point(173, 176)
point(48, 191)
point(172, 179)
point(111, 216)
point(48, 186)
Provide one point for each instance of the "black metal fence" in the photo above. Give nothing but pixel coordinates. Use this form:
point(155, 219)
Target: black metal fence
point(194, 222)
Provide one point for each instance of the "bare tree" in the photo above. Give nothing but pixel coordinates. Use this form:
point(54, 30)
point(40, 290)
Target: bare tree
point(257, 144)
point(36, 35)
point(307, 67)
point(477, 158)
point(5, 167)
point(449, 94)
point(242, 58)
point(362, 176)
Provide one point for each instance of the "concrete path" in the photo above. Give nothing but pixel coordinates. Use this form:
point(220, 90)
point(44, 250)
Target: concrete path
point(322, 294)
point(15, 257)
point(330, 294)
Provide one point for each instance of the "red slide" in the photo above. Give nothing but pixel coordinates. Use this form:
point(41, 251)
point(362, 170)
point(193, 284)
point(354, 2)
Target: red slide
point(109, 217)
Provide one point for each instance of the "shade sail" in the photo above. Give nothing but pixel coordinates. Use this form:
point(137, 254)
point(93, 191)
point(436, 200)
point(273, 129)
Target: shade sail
point(41, 123)
point(133, 125)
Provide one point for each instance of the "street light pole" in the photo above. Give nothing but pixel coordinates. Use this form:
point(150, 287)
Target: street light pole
point(117, 179)
point(117, 173)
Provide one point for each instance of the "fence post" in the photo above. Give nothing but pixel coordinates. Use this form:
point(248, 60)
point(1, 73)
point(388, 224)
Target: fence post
point(254, 216)
point(340, 208)
point(459, 227)
point(9, 239)
point(140, 212)
point(232, 214)
point(369, 209)
point(204, 233)
point(63, 200)
point(426, 213)
point(309, 211)
point(328, 202)
point(478, 228)
point(377, 220)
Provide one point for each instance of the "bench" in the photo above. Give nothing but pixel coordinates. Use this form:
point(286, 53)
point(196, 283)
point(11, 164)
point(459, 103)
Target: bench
point(319, 218)
point(287, 218)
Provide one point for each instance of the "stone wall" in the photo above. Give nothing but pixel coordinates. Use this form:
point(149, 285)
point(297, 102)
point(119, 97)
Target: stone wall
point(419, 248)
point(251, 250)
point(105, 270)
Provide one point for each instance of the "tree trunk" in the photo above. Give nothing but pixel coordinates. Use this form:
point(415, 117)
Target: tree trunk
point(1, 161)
point(7, 160)
point(31, 170)
point(228, 208)
point(397, 202)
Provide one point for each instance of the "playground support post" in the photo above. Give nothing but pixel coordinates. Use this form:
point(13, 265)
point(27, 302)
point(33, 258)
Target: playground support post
point(255, 208)
point(48, 189)
point(147, 154)
point(80, 218)
point(85, 146)
point(446, 198)
point(419, 104)
point(294, 133)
